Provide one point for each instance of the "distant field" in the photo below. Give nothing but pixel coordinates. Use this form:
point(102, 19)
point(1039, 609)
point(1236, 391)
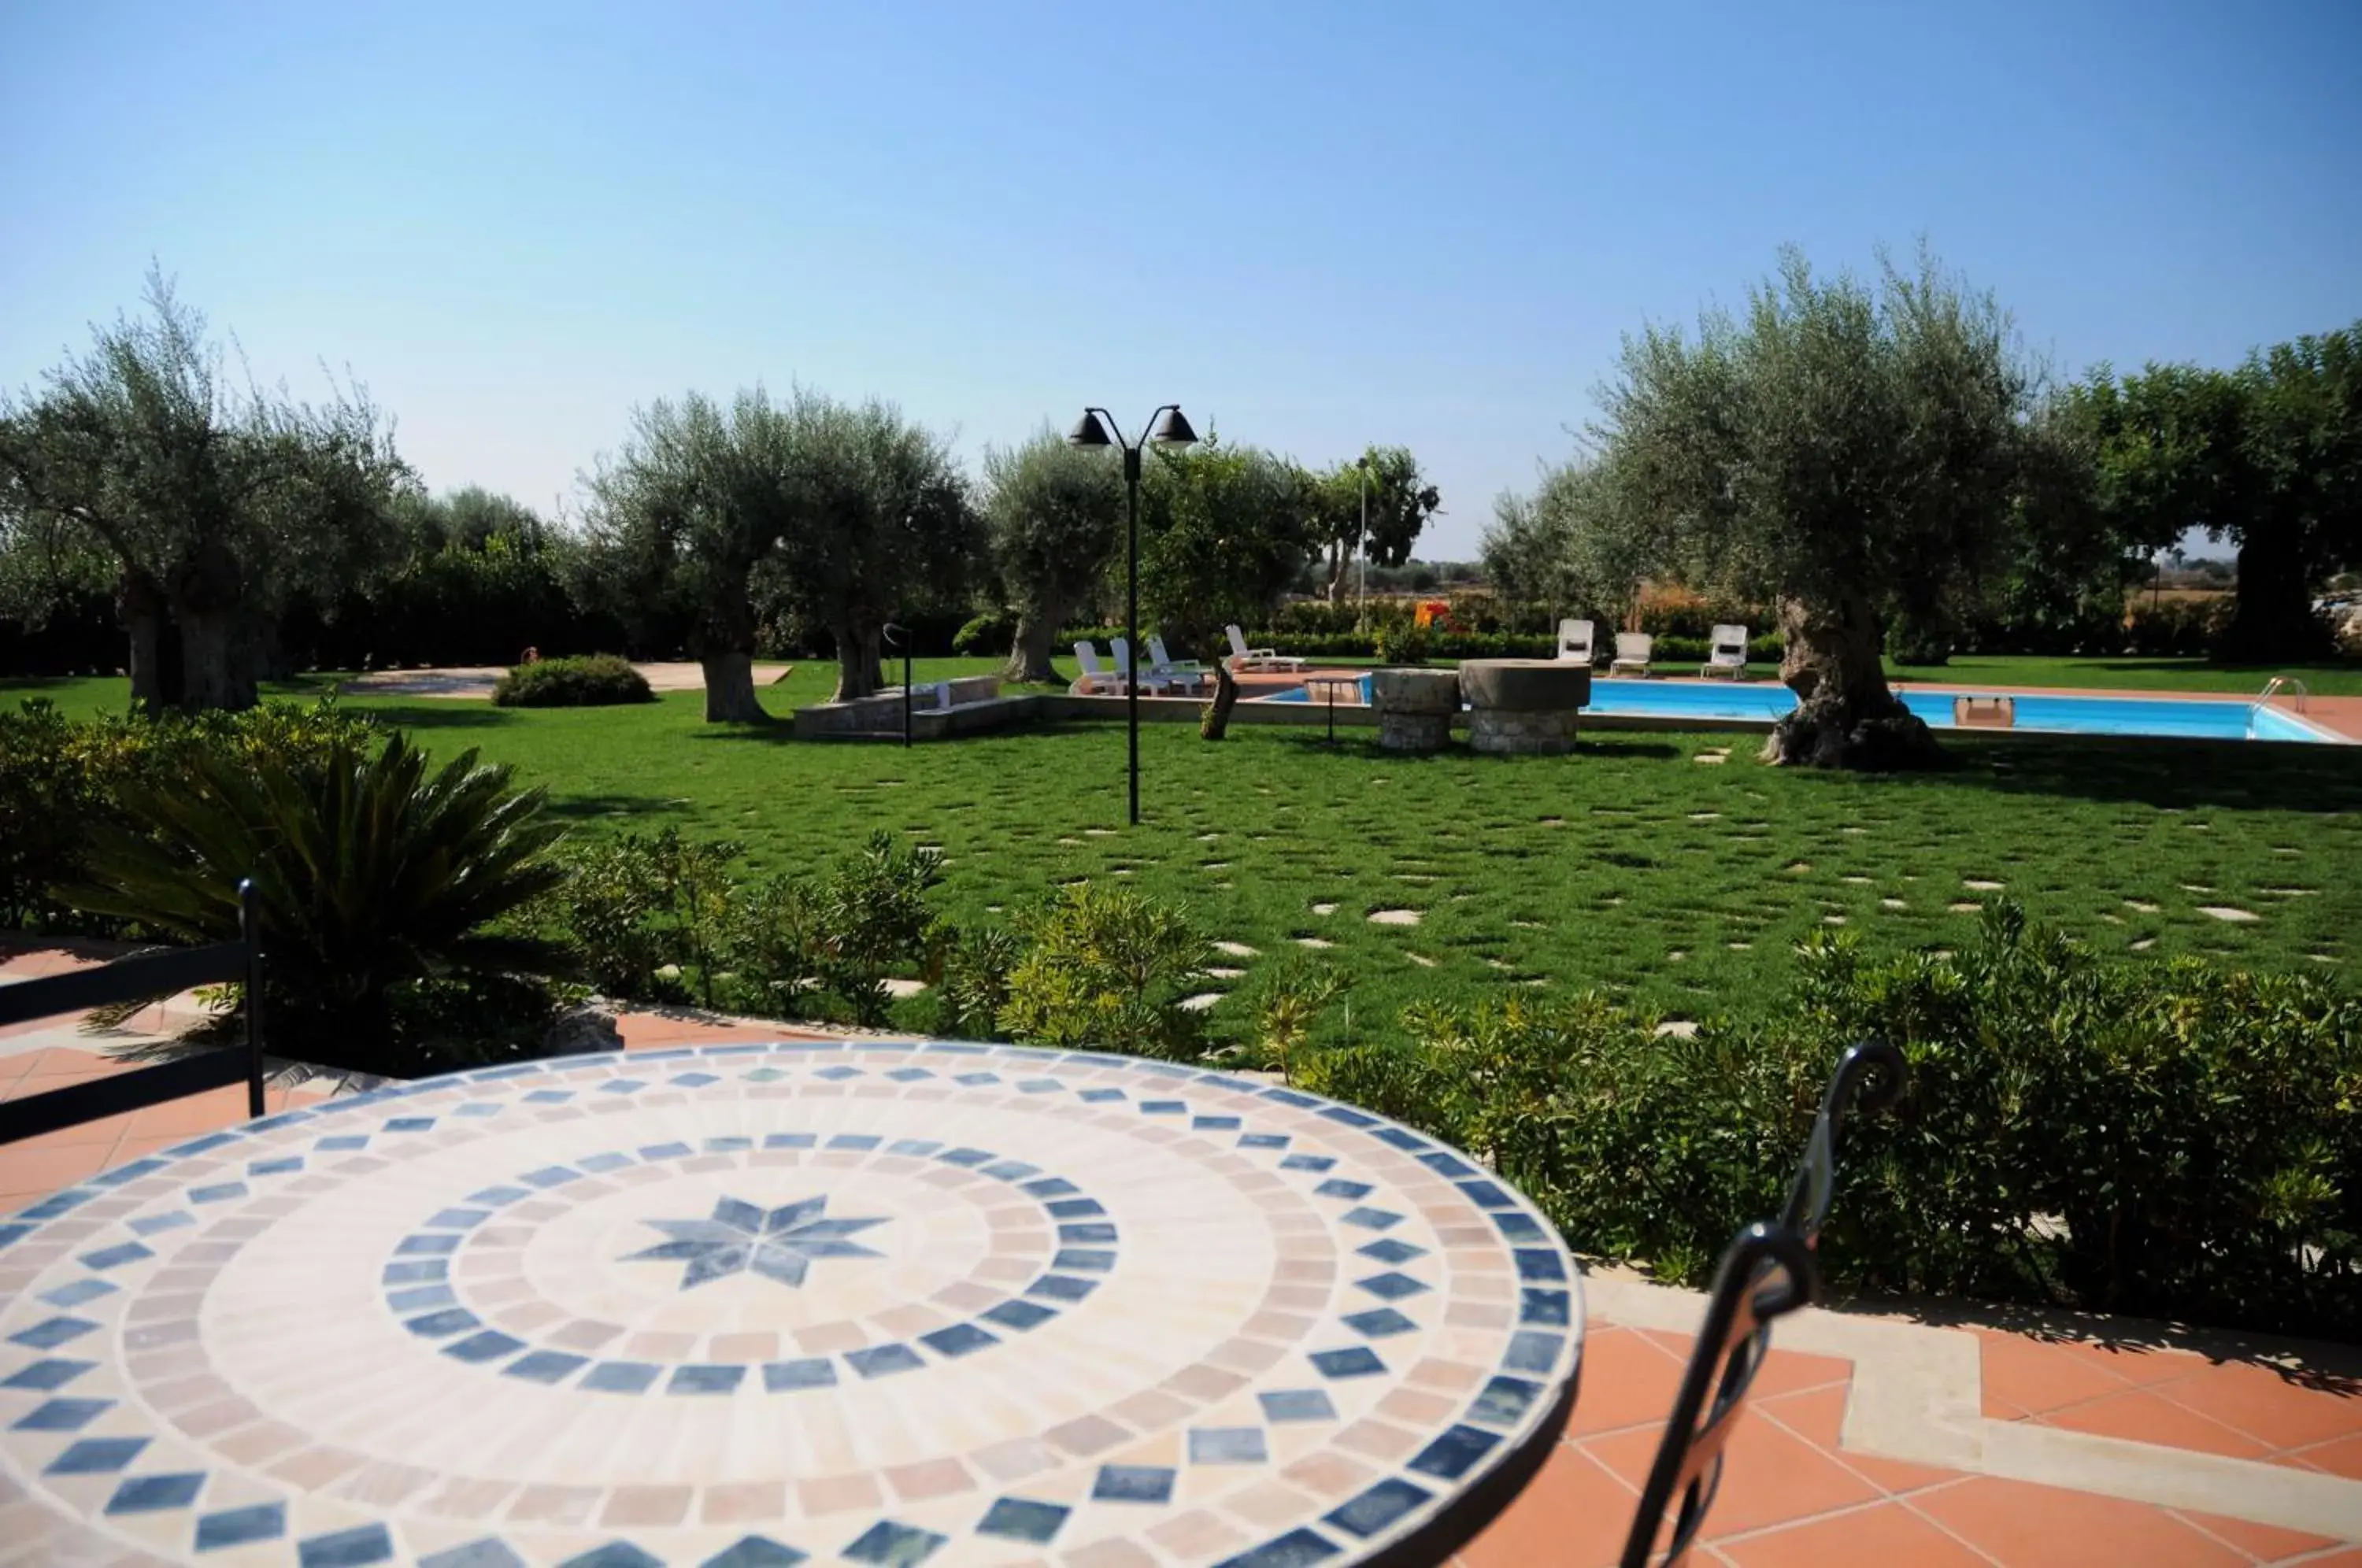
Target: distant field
point(1632, 866)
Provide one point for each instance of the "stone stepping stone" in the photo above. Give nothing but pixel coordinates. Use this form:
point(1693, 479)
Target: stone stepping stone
point(1200, 1002)
point(1421, 959)
point(2144, 944)
point(903, 990)
point(1964, 909)
point(1324, 909)
point(1553, 822)
point(1833, 919)
point(1219, 973)
point(1857, 881)
point(2143, 907)
point(1215, 865)
point(1706, 816)
point(1100, 833)
point(1981, 885)
point(1893, 904)
point(1235, 949)
point(1797, 868)
point(1738, 946)
point(1314, 941)
point(2291, 893)
point(2231, 913)
point(1392, 916)
point(2195, 888)
point(1679, 1028)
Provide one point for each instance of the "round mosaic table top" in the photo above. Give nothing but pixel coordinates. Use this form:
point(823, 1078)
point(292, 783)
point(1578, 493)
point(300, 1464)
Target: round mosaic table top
point(869, 1303)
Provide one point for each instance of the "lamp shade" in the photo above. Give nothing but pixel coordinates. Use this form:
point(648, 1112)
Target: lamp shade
point(1089, 432)
point(1173, 430)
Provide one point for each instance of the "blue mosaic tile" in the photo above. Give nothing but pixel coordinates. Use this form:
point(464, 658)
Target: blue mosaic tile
point(1299, 1548)
point(1090, 1260)
point(410, 1124)
point(909, 1075)
point(958, 1340)
point(1062, 1287)
point(1378, 1322)
point(1086, 1233)
point(1444, 1163)
point(977, 1080)
point(59, 1203)
point(1450, 1456)
point(1306, 1163)
point(1378, 1508)
point(1371, 1219)
point(1487, 1195)
point(201, 1145)
point(421, 1299)
point(1531, 1351)
point(1349, 1116)
point(1400, 1137)
point(548, 1096)
point(497, 1195)
point(604, 1162)
point(1517, 1225)
point(237, 1527)
point(420, 1272)
point(669, 1053)
point(150, 1494)
point(839, 1074)
point(614, 1554)
point(12, 1234)
point(728, 1145)
point(172, 1219)
point(622, 1086)
point(487, 1552)
point(1133, 1483)
point(1263, 1141)
point(890, 1545)
point(550, 1176)
point(693, 1080)
point(1041, 1085)
point(971, 1158)
point(1390, 1285)
point(1214, 1124)
point(51, 1333)
point(96, 1456)
point(621, 1376)
point(809, 1372)
point(479, 1108)
point(754, 1551)
point(490, 1345)
point(789, 1141)
point(1296, 1405)
point(217, 1192)
point(61, 1415)
point(1539, 1263)
point(1504, 1401)
point(544, 1366)
point(1073, 1207)
point(1021, 1519)
point(1226, 1445)
point(1011, 1170)
point(46, 1373)
point(855, 1141)
point(665, 1151)
point(440, 1325)
point(458, 1218)
point(280, 1166)
point(764, 1076)
point(343, 1143)
point(1100, 1096)
point(1338, 1187)
point(80, 1291)
point(881, 1361)
point(1163, 1108)
point(358, 1548)
point(1359, 1362)
point(1289, 1096)
point(916, 1148)
point(435, 1245)
point(1391, 1251)
point(131, 1171)
point(1019, 1314)
point(706, 1379)
point(1551, 1307)
point(1052, 1187)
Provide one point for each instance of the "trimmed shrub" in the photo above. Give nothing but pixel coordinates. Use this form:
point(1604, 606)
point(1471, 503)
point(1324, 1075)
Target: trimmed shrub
point(2163, 1138)
point(1107, 970)
point(586, 681)
point(985, 636)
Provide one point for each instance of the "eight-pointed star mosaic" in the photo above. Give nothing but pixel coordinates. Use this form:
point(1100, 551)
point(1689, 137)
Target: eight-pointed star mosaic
point(778, 1244)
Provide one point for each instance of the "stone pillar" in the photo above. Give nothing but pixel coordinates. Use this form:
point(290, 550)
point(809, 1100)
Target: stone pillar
point(1523, 704)
point(1414, 708)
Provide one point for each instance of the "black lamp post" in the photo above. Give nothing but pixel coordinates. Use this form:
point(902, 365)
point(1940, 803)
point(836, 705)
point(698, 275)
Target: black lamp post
point(1166, 427)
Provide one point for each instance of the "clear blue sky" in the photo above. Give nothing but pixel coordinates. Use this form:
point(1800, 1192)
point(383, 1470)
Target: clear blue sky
point(1314, 225)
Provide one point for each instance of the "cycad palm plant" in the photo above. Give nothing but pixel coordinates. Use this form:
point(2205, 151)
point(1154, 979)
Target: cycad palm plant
point(372, 872)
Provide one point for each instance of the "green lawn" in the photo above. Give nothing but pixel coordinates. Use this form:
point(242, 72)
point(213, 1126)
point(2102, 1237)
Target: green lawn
point(1631, 866)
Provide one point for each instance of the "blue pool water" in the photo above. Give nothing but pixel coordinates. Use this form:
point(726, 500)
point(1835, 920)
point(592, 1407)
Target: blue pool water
point(2228, 718)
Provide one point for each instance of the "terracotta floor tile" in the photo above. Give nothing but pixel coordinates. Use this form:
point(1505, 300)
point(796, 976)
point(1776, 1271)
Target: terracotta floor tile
point(1818, 1417)
point(1783, 1371)
point(2342, 1457)
point(1770, 1477)
point(2136, 1364)
point(196, 1113)
point(1880, 1535)
point(62, 1062)
point(2143, 1415)
point(1573, 1514)
point(2268, 1407)
point(2027, 1526)
point(102, 1133)
point(1626, 1382)
point(2265, 1543)
point(29, 1174)
point(2024, 1376)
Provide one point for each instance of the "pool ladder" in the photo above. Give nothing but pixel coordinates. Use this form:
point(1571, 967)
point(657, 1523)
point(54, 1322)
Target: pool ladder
point(2285, 686)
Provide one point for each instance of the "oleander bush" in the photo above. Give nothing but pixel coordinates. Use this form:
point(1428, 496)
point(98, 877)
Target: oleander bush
point(2170, 1139)
point(585, 680)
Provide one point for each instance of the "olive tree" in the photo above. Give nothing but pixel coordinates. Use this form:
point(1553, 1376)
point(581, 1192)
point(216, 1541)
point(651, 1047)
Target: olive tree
point(1223, 532)
point(1385, 482)
point(213, 502)
point(1830, 446)
point(1055, 514)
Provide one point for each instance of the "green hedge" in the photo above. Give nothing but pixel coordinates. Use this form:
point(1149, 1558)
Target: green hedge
point(2167, 1137)
point(587, 680)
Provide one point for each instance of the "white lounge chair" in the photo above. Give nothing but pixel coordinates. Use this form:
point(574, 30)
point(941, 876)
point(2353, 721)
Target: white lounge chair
point(1575, 641)
point(1163, 663)
point(1096, 680)
point(1245, 658)
point(1632, 650)
point(1155, 685)
point(1725, 653)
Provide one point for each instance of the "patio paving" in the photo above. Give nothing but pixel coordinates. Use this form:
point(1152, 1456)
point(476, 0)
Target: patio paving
point(2023, 1440)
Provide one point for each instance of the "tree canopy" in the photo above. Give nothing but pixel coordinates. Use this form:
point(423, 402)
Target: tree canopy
point(1224, 531)
point(1399, 501)
point(1055, 514)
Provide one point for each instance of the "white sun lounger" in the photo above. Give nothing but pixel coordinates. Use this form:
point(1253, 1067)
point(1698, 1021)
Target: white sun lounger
point(1096, 680)
point(1632, 650)
point(1245, 658)
point(1155, 685)
point(1725, 653)
point(1575, 641)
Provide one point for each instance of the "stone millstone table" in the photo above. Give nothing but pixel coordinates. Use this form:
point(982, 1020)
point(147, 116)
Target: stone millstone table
point(876, 1303)
point(1415, 708)
point(1523, 704)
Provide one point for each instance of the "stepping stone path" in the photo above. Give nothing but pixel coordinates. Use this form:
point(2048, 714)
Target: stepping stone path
point(1235, 949)
point(1393, 917)
point(2231, 913)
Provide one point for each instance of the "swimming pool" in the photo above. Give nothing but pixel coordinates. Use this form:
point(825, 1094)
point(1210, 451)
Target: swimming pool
point(2227, 718)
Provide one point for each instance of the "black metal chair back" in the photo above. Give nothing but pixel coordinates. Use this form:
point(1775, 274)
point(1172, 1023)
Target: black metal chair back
point(137, 978)
point(1767, 1271)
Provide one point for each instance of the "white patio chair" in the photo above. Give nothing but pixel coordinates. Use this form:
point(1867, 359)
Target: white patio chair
point(1188, 671)
point(1096, 680)
point(1725, 653)
point(1575, 641)
point(1245, 658)
point(1632, 651)
point(1154, 684)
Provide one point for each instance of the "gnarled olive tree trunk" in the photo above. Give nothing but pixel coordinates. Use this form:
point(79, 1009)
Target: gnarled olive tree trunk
point(209, 603)
point(2272, 618)
point(1845, 716)
point(857, 667)
point(1030, 651)
point(723, 641)
point(140, 607)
